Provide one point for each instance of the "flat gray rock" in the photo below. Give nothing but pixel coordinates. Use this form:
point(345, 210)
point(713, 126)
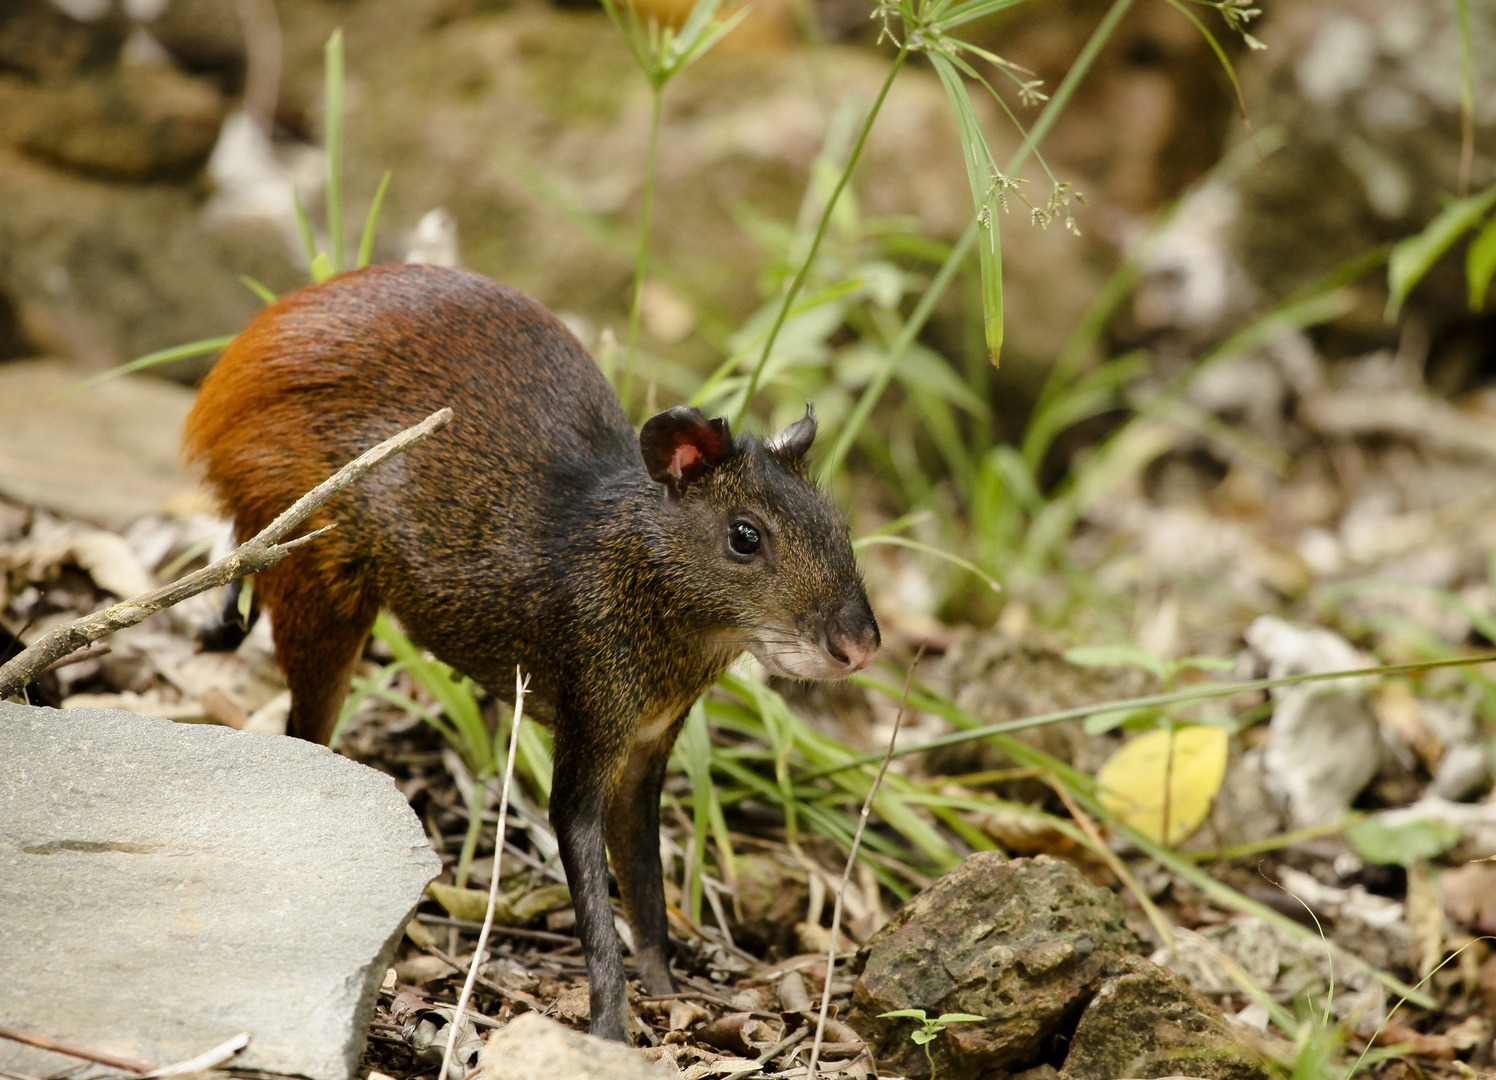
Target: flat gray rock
point(167, 886)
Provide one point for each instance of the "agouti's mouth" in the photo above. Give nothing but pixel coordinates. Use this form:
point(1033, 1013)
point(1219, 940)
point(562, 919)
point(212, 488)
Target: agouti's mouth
point(830, 659)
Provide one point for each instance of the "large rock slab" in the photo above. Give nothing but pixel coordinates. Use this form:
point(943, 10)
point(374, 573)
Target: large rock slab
point(167, 886)
point(1024, 943)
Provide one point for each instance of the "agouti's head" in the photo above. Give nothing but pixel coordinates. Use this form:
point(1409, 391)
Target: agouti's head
point(766, 557)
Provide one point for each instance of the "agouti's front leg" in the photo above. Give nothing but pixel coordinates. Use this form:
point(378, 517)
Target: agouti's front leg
point(633, 831)
point(585, 775)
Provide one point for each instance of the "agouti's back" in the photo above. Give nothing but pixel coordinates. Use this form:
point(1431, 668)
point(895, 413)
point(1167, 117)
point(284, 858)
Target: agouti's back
point(453, 538)
point(621, 573)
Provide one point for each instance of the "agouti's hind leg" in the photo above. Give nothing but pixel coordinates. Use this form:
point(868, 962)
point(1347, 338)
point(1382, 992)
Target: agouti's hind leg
point(587, 764)
point(634, 844)
point(319, 632)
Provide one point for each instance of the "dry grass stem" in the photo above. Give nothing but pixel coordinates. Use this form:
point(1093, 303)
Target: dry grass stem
point(836, 910)
point(1118, 867)
point(521, 684)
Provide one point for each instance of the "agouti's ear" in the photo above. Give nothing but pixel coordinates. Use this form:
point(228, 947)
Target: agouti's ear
point(681, 445)
point(795, 440)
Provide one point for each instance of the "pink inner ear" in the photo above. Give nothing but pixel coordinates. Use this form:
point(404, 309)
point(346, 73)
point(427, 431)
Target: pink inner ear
point(684, 456)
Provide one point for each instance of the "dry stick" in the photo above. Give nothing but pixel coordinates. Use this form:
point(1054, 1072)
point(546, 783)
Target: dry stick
point(93, 652)
point(259, 553)
point(867, 809)
point(521, 685)
point(58, 1046)
point(207, 1060)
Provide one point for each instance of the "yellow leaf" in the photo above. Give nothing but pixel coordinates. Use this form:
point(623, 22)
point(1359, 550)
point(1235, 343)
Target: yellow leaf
point(1134, 779)
point(469, 905)
point(511, 910)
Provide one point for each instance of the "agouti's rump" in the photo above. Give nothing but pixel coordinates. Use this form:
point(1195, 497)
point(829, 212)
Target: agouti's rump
point(621, 573)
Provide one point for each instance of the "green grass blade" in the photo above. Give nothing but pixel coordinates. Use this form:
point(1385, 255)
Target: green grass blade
point(160, 356)
point(333, 119)
point(695, 746)
point(984, 194)
point(804, 270)
point(641, 258)
point(1412, 258)
point(258, 288)
point(1480, 264)
point(366, 242)
point(927, 549)
point(1215, 47)
point(974, 9)
point(308, 239)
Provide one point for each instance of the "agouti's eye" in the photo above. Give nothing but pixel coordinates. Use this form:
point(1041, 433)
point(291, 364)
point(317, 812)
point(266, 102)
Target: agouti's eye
point(742, 537)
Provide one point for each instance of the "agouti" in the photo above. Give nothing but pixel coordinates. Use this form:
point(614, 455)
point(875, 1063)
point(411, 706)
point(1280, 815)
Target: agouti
point(622, 574)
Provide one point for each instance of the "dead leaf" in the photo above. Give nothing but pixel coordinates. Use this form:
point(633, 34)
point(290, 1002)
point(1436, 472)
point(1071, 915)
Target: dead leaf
point(104, 556)
point(1425, 913)
point(471, 905)
point(740, 1033)
point(1399, 710)
point(1190, 761)
point(575, 1006)
point(223, 708)
point(686, 1014)
point(1470, 896)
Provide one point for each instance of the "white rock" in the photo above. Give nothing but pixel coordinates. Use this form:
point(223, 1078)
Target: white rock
point(1324, 744)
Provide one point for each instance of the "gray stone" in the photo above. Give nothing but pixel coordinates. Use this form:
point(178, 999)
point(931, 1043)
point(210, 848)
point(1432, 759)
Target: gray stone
point(167, 886)
point(534, 1048)
point(1147, 1022)
point(130, 123)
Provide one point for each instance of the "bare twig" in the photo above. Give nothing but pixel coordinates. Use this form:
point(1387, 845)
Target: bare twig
point(520, 686)
point(91, 653)
point(259, 553)
point(208, 1059)
point(58, 1046)
point(836, 911)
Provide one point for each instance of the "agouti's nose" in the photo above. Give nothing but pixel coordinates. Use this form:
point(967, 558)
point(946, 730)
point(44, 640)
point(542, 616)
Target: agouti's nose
point(852, 637)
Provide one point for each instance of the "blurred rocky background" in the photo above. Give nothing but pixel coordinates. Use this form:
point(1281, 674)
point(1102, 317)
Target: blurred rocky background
point(149, 148)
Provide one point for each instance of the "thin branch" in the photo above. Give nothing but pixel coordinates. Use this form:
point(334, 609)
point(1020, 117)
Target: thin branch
point(255, 555)
point(58, 1046)
point(867, 809)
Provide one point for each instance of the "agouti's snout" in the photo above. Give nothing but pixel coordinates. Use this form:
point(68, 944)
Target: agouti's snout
point(852, 638)
point(621, 573)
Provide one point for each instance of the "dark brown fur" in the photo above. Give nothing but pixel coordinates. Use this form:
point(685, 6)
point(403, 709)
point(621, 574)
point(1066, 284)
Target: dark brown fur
point(528, 533)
